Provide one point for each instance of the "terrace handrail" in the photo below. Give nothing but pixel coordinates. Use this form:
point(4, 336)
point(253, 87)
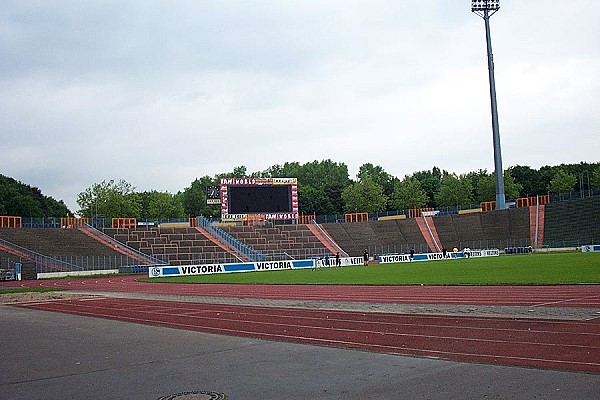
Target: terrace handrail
point(120, 246)
point(435, 243)
point(229, 241)
point(46, 261)
point(329, 239)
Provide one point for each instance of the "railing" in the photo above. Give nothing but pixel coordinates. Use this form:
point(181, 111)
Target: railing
point(435, 243)
point(229, 241)
point(423, 248)
point(133, 253)
point(328, 238)
point(42, 261)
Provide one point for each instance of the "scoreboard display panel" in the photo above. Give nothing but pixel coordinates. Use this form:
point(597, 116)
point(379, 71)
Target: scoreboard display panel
point(272, 198)
point(259, 199)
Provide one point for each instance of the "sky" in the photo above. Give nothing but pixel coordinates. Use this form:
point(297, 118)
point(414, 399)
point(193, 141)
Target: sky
point(159, 93)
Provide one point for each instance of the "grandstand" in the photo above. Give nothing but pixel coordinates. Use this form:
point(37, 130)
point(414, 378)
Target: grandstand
point(572, 223)
point(278, 242)
point(174, 245)
point(560, 224)
point(62, 250)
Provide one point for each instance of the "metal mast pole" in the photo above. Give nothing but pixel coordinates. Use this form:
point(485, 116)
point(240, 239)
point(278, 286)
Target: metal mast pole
point(485, 7)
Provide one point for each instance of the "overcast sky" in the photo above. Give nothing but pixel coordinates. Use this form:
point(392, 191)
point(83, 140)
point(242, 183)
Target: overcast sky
point(159, 93)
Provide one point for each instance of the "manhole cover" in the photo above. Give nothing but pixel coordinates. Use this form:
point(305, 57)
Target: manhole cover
point(195, 395)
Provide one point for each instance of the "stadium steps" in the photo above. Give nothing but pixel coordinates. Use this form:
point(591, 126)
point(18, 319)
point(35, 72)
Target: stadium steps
point(572, 223)
point(428, 236)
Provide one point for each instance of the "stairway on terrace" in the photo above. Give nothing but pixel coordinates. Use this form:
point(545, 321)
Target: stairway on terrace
point(56, 242)
point(448, 231)
point(381, 237)
point(280, 241)
point(176, 246)
point(70, 246)
point(572, 223)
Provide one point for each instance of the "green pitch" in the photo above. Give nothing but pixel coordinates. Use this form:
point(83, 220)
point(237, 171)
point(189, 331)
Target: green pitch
point(536, 269)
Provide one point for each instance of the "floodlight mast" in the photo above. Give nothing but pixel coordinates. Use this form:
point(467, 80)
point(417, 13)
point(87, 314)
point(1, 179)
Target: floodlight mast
point(485, 9)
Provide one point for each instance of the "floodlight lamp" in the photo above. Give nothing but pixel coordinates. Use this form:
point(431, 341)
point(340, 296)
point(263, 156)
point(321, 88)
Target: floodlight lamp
point(482, 5)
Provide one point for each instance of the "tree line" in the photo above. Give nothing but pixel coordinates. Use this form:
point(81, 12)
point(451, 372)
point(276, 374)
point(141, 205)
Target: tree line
point(324, 188)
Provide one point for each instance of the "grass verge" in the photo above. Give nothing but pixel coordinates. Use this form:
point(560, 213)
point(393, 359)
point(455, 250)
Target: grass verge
point(536, 269)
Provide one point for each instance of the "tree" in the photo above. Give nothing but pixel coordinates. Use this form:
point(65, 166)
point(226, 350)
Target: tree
point(532, 182)
point(595, 179)
point(161, 205)
point(19, 199)
point(408, 194)
point(110, 199)
point(379, 176)
point(313, 200)
point(562, 182)
point(455, 191)
point(485, 189)
point(326, 176)
point(364, 196)
point(193, 198)
point(430, 182)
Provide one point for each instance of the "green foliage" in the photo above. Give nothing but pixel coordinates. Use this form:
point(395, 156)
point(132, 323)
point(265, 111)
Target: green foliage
point(161, 205)
point(485, 186)
point(193, 198)
point(595, 178)
point(111, 200)
point(364, 196)
point(19, 199)
point(379, 176)
point(562, 182)
point(454, 191)
point(321, 185)
point(408, 194)
point(430, 182)
point(326, 179)
point(312, 200)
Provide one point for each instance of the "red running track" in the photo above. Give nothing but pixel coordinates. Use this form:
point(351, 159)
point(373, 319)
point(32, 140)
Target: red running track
point(586, 296)
point(554, 344)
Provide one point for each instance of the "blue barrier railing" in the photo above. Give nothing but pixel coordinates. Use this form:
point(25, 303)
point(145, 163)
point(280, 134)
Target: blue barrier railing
point(229, 240)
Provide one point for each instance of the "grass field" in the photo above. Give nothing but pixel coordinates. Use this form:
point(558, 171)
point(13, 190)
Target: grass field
point(536, 269)
point(26, 290)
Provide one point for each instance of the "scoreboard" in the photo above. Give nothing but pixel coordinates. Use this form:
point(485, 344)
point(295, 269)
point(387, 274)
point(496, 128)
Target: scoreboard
point(271, 198)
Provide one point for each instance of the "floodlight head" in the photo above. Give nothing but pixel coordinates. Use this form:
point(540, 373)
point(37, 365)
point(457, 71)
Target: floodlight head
point(482, 5)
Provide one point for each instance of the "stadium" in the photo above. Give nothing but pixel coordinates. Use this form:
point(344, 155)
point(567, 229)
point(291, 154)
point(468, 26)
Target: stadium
point(265, 275)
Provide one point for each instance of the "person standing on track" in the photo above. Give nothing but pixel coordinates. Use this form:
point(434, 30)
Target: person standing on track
point(366, 257)
point(338, 261)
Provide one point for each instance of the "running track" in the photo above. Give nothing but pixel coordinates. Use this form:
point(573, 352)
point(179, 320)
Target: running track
point(554, 344)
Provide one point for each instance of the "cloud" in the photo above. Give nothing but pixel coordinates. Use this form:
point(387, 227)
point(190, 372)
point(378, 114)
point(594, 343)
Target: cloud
point(160, 93)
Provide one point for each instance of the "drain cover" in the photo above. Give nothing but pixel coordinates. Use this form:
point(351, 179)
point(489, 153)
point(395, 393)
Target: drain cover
point(195, 395)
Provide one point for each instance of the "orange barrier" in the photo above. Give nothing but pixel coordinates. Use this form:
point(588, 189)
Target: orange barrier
point(193, 222)
point(306, 218)
point(417, 212)
point(124, 223)
point(488, 205)
point(539, 200)
point(73, 222)
point(10, 222)
point(357, 217)
point(253, 219)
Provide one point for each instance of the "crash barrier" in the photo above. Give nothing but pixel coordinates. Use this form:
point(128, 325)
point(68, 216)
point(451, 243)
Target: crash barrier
point(73, 222)
point(590, 248)
point(518, 250)
point(357, 217)
point(10, 222)
point(466, 253)
point(207, 269)
point(124, 223)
